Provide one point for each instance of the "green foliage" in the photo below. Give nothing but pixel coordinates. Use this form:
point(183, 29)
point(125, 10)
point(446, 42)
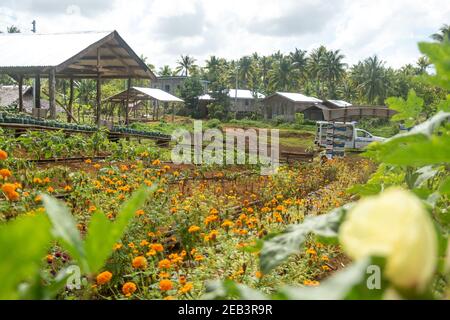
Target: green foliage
point(277, 248)
point(102, 234)
point(189, 92)
point(407, 111)
point(439, 54)
point(24, 244)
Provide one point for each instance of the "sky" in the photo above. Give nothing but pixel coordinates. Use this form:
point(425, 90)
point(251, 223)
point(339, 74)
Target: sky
point(162, 30)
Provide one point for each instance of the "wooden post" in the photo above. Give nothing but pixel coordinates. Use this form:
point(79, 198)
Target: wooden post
point(70, 106)
point(52, 93)
point(127, 103)
point(21, 94)
point(173, 112)
point(99, 100)
point(37, 91)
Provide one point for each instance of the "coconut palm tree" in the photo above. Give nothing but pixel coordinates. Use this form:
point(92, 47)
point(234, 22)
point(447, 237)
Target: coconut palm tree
point(246, 70)
point(299, 64)
point(280, 77)
point(423, 63)
point(315, 67)
point(332, 69)
point(185, 65)
point(265, 65)
point(165, 71)
point(443, 34)
point(13, 29)
point(371, 78)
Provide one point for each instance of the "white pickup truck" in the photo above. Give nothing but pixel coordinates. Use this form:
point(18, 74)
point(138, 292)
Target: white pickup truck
point(358, 139)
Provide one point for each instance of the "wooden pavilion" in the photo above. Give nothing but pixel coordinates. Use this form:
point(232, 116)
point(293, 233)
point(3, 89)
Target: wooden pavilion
point(137, 99)
point(85, 55)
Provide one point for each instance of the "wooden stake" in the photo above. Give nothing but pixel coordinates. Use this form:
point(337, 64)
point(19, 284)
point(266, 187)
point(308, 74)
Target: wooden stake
point(20, 94)
point(52, 93)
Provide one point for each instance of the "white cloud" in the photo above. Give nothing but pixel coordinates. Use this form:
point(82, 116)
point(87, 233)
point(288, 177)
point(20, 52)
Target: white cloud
point(162, 30)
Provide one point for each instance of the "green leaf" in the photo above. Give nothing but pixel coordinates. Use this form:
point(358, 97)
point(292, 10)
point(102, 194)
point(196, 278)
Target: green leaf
point(220, 290)
point(439, 54)
point(24, 243)
point(407, 111)
point(445, 187)
point(64, 228)
point(349, 283)
point(102, 233)
point(278, 248)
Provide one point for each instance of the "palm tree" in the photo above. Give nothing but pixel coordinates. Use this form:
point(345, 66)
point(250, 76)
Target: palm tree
point(165, 71)
point(246, 70)
point(422, 64)
point(332, 69)
point(315, 67)
point(299, 63)
point(371, 78)
point(185, 65)
point(280, 77)
point(13, 29)
point(443, 34)
point(265, 64)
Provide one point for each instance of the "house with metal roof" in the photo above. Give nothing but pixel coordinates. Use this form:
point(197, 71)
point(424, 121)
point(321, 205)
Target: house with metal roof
point(82, 55)
point(286, 105)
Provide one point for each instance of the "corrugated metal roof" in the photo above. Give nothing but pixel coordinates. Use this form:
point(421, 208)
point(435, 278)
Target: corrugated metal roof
point(298, 97)
point(158, 94)
point(43, 50)
point(340, 103)
point(205, 97)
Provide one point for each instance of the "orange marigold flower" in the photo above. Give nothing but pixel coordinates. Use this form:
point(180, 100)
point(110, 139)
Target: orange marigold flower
point(9, 188)
point(140, 212)
point(128, 288)
point(13, 196)
point(198, 257)
point(5, 173)
point(182, 280)
point(186, 288)
point(164, 264)
point(227, 224)
point(156, 162)
point(67, 188)
point(139, 262)
point(50, 190)
point(104, 277)
point(47, 180)
point(165, 285)
point(88, 161)
point(3, 155)
point(157, 247)
point(151, 252)
point(117, 246)
point(193, 229)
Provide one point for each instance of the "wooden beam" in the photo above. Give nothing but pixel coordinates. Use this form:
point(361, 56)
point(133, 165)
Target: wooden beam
point(20, 94)
point(52, 92)
point(99, 90)
point(37, 91)
point(127, 102)
point(70, 106)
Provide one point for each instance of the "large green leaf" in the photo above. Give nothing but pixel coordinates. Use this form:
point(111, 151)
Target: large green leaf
point(24, 243)
point(102, 233)
point(357, 281)
point(439, 54)
point(407, 111)
point(220, 290)
point(64, 229)
point(276, 249)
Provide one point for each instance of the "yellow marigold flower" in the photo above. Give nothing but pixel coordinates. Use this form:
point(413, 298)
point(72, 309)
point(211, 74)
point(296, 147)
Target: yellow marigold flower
point(227, 224)
point(165, 285)
point(164, 275)
point(186, 288)
point(156, 162)
point(139, 262)
point(150, 253)
point(5, 173)
point(213, 211)
point(117, 246)
point(144, 243)
point(157, 247)
point(311, 251)
point(104, 277)
point(311, 283)
point(394, 225)
point(164, 264)
point(193, 229)
point(88, 161)
point(128, 288)
point(67, 188)
point(169, 298)
point(3, 155)
point(198, 257)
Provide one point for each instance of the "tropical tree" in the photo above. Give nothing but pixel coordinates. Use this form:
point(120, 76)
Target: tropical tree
point(370, 77)
point(299, 64)
point(443, 34)
point(280, 77)
point(315, 67)
point(12, 29)
point(246, 70)
point(185, 65)
point(165, 71)
point(332, 69)
point(423, 63)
